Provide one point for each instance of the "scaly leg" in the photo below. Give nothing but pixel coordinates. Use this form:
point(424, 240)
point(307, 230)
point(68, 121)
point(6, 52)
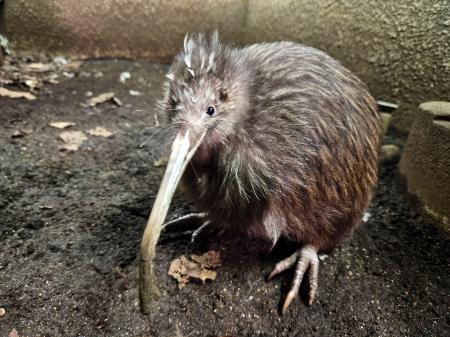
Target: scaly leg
point(303, 258)
point(186, 222)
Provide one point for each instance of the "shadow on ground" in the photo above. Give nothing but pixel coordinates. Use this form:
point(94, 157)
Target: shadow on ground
point(70, 226)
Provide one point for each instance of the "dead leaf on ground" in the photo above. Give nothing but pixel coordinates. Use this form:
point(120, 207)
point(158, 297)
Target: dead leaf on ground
point(208, 260)
point(100, 131)
point(61, 125)
point(13, 333)
point(16, 94)
point(160, 162)
point(72, 140)
point(38, 67)
point(182, 269)
point(102, 98)
point(21, 133)
point(73, 65)
point(46, 207)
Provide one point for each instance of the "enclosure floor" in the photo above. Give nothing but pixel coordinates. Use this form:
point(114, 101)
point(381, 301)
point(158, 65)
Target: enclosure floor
point(71, 224)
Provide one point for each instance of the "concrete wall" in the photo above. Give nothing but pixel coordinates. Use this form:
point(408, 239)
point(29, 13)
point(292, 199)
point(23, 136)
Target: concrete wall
point(401, 48)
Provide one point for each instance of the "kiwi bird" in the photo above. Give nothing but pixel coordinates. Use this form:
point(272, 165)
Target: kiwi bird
point(275, 139)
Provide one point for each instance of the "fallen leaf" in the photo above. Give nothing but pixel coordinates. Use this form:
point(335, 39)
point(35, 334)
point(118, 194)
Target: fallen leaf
point(134, 92)
point(100, 132)
point(117, 101)
point(61, 125)
point(38, 67)
point(73, 65)
point(102, 98)
point(44, 207)
point(208, 260)
point(17, 134)
point(160, 162)
point(16, 94)
point(13, 333)
point(72, 140)
point(21, 133)
point(182, 269)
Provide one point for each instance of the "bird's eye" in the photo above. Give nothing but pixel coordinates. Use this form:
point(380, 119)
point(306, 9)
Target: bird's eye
point(210, 111)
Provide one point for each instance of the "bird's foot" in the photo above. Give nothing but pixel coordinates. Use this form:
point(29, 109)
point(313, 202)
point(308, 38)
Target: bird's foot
point(303, 258)
point(188, 222)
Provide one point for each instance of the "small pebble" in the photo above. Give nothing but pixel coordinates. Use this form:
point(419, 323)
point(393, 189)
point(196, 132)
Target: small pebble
point(2, 312)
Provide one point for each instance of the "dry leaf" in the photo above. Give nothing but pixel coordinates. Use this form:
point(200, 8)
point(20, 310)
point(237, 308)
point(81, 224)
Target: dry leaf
point(61, 125)
point(182, 269)
point(38, 67)
point(44, 207)
point(100, 132)
point(21, 133)
point(16, 94)
point(208, 260)
point(107, 96)
point(72, 140)
point(73, 65)
point(160, 162)
point(17, 134)
point(117, 101)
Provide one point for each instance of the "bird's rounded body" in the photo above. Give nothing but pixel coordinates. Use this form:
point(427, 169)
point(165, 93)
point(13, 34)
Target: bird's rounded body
point(274, 139)
point(300, 160)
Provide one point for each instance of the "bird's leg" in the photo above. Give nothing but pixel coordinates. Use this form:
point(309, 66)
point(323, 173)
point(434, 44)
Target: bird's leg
point(303, 258)
point(191, 221)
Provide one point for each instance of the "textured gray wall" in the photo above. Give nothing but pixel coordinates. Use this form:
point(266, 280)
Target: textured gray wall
point(400, 48)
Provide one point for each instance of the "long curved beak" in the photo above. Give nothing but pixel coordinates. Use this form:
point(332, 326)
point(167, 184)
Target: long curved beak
point(183, 148)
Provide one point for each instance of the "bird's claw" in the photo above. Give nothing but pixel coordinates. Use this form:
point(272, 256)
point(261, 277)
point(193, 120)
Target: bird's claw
point(303, 258)
point(191, 221)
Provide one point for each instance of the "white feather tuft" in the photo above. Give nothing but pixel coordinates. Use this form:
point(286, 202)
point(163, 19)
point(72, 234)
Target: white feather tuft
point(210, 61)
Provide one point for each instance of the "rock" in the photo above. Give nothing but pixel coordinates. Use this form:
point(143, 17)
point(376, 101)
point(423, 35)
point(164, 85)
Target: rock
point(2, 312)
point(425, 162)
point(389, 154)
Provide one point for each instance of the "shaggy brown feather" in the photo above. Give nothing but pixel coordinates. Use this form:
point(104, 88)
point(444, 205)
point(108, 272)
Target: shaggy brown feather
point(292, 149)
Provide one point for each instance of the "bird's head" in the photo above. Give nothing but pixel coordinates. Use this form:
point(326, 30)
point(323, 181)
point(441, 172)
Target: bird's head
point(206, 98)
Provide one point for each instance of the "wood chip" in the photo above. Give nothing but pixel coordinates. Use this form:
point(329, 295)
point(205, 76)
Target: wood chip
point(16, 94)
point(102, 98)
point(61, 125)
point(72, 140)
point(100, 132)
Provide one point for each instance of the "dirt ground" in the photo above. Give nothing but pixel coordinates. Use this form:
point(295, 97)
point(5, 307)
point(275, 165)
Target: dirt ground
point(71, 224)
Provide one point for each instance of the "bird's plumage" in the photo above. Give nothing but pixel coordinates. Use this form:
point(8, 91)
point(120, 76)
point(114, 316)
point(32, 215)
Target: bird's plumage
point(293, 148)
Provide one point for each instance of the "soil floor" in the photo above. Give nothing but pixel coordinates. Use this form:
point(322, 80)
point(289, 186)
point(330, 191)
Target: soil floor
point(71, 224)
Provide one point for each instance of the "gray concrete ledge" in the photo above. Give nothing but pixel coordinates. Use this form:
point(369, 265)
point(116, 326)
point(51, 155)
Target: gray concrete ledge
point(426, 160)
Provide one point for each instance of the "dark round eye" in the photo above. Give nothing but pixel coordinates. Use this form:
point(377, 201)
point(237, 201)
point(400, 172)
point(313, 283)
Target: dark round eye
point(210, 111)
